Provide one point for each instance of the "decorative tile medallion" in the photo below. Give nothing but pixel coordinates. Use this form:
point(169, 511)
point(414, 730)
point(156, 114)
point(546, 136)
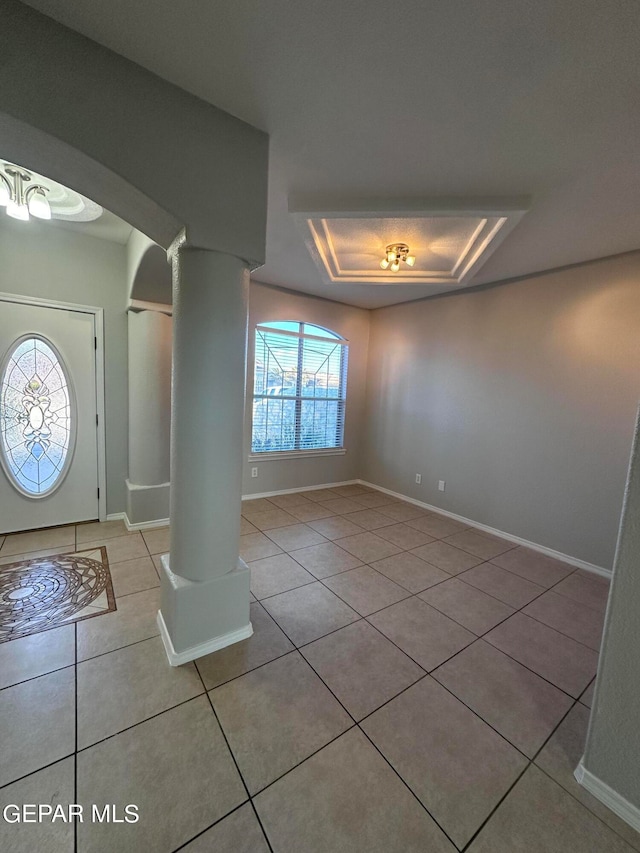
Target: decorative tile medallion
point(46, 592)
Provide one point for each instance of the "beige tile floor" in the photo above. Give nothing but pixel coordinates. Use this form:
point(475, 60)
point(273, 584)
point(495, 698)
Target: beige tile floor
point(411, 685)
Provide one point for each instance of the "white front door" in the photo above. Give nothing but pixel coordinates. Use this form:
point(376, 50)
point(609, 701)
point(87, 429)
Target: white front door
point(48, 416)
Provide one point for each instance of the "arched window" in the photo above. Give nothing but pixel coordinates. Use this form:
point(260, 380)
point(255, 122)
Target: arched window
point(299, 388)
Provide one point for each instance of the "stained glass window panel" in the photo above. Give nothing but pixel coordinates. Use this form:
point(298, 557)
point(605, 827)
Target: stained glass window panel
point(35, 417)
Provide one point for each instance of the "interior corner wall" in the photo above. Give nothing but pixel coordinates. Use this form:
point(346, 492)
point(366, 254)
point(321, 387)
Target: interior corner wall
point(49, 262)
point(613, 742)
point(521, 397)
point(267, 304)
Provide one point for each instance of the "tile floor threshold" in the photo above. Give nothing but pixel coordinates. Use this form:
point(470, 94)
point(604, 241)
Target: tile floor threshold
point(269, 778)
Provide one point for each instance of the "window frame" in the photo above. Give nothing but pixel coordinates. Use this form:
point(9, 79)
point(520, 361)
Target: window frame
point(302, 452)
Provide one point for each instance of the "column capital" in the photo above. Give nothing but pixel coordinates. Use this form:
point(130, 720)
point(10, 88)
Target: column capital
point(182, 245)
point(136, 306)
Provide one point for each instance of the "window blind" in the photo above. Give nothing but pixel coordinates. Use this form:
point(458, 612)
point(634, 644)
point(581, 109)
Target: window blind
point(299, 388)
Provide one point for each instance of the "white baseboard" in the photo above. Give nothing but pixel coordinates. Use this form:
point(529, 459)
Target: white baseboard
point(214, 645)
point(518, 540)
point(550, 552)
point(611, 799)
point(301, 489)
point(142, 525)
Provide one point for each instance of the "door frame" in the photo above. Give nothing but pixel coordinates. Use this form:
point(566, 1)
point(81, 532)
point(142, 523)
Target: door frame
point(98, 331)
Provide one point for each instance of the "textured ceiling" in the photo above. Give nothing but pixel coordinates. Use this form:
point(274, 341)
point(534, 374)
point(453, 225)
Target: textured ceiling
point(418, 99)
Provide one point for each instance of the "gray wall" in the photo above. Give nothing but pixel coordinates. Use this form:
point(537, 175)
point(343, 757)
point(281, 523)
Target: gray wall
point(613, 744)
point(42, 260)
point(267, 304)
point(522, 397)
point(141, 147)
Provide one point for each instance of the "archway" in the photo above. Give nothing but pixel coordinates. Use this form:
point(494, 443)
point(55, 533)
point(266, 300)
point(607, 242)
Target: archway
point(194, 180)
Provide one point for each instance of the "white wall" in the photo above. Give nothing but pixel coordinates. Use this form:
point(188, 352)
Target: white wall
point(521, 396)
point(42, 260)
point(267, 304)
point(613, 743)
point(149, 397)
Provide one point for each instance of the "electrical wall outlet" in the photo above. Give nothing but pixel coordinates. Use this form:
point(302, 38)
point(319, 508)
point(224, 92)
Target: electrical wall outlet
point(254, 472)
point(418, 478)
point(441, 485)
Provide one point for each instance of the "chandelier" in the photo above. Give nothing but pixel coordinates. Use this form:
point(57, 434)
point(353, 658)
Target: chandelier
point(394, 255)
point(20, 197)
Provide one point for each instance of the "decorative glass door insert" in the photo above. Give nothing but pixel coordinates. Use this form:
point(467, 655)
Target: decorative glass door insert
point(37, 417)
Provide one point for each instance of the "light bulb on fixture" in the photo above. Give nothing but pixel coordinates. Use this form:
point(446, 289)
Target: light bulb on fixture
point(38, 204)
point(17, 211)
point(21, 197)
point(394, 255)
point(5, 191)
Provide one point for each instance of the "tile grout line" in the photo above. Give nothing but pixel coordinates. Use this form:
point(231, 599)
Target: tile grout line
point(567, 791)
point(430, 674)
point(459, 575)
point(138, 723)
point(33, 677)
point(530, 763)
point(496, 807)
point(37, 770)
point(468, 645)
point(298, 648)
point(356, 725)
point(237, 766)
point(477, 637)
point(482, 636)
point(416, 595)
point(210, 826)
point(483, 561)
point(408, 787)
point(515, 610)
point(125, 646)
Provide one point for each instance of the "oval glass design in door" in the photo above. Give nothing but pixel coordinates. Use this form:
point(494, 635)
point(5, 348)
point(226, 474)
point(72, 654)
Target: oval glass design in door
point(37, 417)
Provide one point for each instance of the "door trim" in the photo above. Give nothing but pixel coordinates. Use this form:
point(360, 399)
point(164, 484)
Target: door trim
point(98, 330)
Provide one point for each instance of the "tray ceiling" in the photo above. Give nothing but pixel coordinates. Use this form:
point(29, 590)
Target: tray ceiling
point(449, 247)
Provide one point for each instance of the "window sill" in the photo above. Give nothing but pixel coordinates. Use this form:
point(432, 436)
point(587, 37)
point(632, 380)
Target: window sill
point(296, 454)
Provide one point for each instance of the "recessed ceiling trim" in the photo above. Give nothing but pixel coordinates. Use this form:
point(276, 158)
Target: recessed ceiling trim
point(346, 245)
point(469, 245)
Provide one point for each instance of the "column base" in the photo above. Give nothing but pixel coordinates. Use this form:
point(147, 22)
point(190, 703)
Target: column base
point(147, 503)
point(200, 617)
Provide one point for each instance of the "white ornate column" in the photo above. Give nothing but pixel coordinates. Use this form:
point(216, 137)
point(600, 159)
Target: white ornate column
point(205, 585)
point(149, 413)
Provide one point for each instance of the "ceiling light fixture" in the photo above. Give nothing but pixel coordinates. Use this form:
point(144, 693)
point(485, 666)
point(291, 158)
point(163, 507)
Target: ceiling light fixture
point(394, 255)
point(22, 201)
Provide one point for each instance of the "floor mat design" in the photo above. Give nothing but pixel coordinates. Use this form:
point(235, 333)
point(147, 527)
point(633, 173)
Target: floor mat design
point(43, 593)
